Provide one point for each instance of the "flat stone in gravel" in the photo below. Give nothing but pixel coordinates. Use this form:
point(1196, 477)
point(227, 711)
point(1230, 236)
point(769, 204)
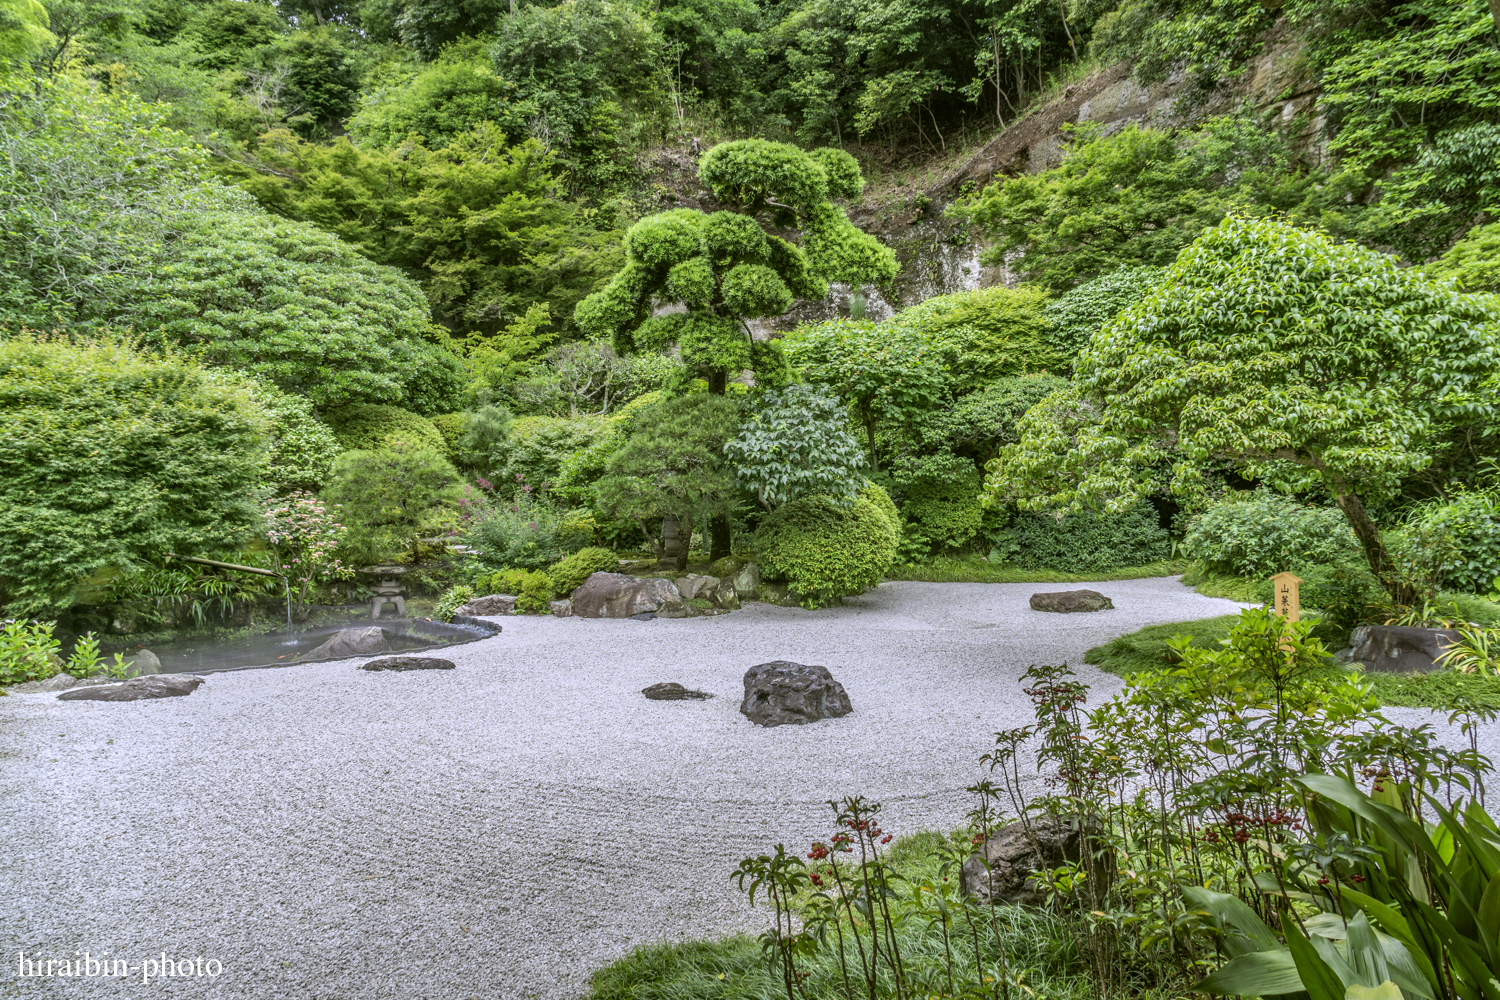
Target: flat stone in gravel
point(782, 693)
point(1068, 601)
point(409, 663)
point(672, 691)
point(145, 688)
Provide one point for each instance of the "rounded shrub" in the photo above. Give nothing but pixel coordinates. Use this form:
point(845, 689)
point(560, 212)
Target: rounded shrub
point(452, 427)
point(826, 549)
point(1267, 533)
point(1455, 544)
point(1088, 541)
point(532, 588)
point(568, 574)
point(376, 427)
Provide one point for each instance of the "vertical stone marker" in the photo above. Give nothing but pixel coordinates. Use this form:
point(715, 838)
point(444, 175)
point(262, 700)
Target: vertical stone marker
point(1286, 596)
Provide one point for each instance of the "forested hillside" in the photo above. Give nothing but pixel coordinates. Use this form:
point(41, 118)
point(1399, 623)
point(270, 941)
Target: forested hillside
point(446, 263)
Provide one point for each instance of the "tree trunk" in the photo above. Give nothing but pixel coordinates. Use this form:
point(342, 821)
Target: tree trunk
point(1376, 554)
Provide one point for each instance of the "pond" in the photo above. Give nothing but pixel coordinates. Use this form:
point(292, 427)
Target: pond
point(278, 648)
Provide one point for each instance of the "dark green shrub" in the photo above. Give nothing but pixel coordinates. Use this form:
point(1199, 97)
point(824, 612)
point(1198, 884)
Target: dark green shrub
point(528, 533)
point(826, 550)
point(1077, 314)
point(109, 458)
point(302, 447)
point(946, 511)
point(376, 427)
point(1086, 541)
point(532, 588)
point(1267, 533)
point(569, 573)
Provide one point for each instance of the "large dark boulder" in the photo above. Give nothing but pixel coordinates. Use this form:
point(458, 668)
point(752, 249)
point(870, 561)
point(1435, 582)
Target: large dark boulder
point(1001, 870)
point(1398, 649)
point(408, 663)
point(617, 595)
point(136, 689)
point(352, 642)
point(1067, 601)
point(781, 693)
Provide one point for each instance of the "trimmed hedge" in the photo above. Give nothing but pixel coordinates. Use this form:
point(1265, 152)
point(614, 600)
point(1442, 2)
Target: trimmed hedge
point(826, 550)
point(1086, 541)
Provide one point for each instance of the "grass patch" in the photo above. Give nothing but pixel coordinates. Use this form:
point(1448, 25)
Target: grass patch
point(976, 569)
point(1042, 950)
point(1145, 650)
point(1244, 589)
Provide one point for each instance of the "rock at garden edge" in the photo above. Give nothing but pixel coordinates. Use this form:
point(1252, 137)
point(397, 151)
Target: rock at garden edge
point(1398, 649)
point(489, 606)
point(616, 595)
point(1014, 852)
point(136, 689)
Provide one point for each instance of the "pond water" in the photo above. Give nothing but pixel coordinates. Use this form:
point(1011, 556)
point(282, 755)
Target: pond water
point(278, 648)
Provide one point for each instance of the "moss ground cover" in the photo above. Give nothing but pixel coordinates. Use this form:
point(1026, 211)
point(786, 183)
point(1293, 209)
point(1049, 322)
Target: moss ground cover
point(974, 569)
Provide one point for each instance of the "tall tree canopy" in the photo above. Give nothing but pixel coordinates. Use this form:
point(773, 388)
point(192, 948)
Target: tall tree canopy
point(1276, 349)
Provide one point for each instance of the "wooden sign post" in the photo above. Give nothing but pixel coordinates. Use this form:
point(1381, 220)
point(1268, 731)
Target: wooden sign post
point(1286, 597)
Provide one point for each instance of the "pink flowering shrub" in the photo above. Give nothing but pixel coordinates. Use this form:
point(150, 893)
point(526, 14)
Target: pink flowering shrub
point(304, 533)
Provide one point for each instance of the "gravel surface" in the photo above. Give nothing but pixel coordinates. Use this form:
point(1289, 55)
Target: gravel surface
point(503, 829)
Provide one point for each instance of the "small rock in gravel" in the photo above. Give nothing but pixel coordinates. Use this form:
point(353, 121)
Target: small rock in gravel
point(136, 689)
point(560, 609)
point(672, 691)
point(781, 692)
point(644, 616)
point(408, 663)
point(57, 682)
point(351, 642)
point(1065, 601)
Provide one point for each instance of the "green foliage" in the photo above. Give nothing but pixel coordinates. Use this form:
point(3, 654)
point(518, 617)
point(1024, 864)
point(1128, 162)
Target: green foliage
point(673, 463)
point(1151, 649)
point(724, 268)
point(483, 440)
point(583, 468)
point(1086, 540)
point(1308, 374)
point(888, 373)
point(1206, 41)
point(826, 550)
point(569, 572)
point(795, 443)
point(440, 101)
point(452, 427)
point(533, 452)
point(979, 423)
point(1267, 533)
point(485, 226)
point(301, 447)
point(532, 588)
point(1455, 544)
point(944, 510)
point(527, 533)
point(375, 427)
point(1133, 198)
point(1473, 262)
point(989, 333)
point(971, 567)
point(28, 652)
point(1076, 315)
point(23, 33)
point(451, 600)
point(110, 458)
point(391, 500)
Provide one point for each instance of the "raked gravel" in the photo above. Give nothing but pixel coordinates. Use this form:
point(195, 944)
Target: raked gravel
point(503, 829)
